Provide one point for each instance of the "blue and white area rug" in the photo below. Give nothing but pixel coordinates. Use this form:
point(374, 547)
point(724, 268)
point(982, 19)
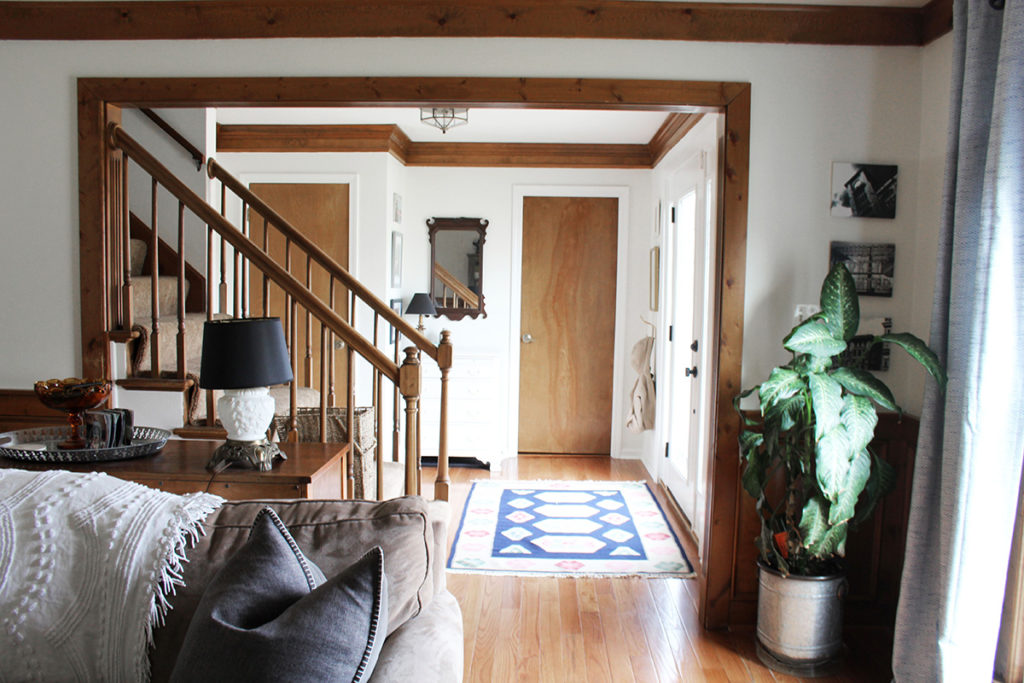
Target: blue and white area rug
point(566, 528)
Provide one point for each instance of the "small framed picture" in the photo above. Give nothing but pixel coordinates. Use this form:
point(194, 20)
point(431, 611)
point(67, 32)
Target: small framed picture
point(863, 190)
point(396, 306)
point(396, 258)
point(396, 207)
point(655, 277)
point(871, 265)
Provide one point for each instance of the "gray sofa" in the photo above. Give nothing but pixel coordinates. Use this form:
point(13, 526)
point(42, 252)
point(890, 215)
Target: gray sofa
point(424, 641)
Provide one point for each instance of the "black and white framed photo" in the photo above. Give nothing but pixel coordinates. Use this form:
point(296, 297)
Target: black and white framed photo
point(396, 258)
point(872, 265)
point(396, 306)
point(863, 190)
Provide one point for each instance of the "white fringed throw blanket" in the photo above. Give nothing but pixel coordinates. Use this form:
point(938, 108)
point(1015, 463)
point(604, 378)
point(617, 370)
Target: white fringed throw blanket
point(87, 565)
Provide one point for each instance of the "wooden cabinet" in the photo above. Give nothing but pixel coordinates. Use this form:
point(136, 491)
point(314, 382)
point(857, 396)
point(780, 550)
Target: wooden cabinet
point(312, 470)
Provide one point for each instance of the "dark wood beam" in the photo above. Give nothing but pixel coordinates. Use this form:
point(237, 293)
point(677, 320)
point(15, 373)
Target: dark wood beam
point(532, 155)
point(674, 129)
point(938, 20)
point(617, 19)
point(391, 138)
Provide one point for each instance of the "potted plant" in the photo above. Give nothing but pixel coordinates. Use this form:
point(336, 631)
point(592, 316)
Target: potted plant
point(809, 466)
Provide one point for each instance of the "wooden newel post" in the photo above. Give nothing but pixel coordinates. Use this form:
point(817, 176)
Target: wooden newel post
point(444, 361)
point(409, 385)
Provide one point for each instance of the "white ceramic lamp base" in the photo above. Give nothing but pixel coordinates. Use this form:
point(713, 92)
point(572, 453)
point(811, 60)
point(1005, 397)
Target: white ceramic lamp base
point(246, 414)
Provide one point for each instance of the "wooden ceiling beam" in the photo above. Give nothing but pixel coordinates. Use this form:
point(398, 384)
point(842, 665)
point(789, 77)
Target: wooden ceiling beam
point(615, 19)
point(390, 138)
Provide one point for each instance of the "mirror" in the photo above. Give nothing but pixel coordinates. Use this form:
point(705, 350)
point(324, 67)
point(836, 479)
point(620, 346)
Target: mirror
point(457, 266)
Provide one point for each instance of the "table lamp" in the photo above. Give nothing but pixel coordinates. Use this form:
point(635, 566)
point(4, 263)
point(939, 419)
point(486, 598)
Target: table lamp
point(244, 357)
point(422, 304)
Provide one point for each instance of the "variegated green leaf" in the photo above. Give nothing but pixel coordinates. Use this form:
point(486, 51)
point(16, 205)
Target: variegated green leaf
point(839, 304)
point(780, 385)
point(815, 338)
point(814, 521)
point(827, 398)
point(834, 542)
point(859, 418)
point(753, 476)
point(856, 478)
point(881, 482)
point(863, 383)
point(832, 462)
point(787, 413)
point(921, 353)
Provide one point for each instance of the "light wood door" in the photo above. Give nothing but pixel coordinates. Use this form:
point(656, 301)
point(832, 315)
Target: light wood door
point(320, 212)
point(567, 324)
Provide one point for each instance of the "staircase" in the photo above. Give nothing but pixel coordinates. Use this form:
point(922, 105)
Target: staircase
point(157, 305)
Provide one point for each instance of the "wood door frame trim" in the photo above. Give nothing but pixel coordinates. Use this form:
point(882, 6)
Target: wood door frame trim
point(101, 98)
point(600, 19)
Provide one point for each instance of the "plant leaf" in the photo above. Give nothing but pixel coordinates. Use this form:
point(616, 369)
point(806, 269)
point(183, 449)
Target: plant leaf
point(859, 418)
point(827, 398)
point(920, 352)
point(833, 462)
point(814, 337)
point(856, 478)
point(839, 304)
point(881, 482)
point(780, 385)
point(863, 383)
point(814, 522)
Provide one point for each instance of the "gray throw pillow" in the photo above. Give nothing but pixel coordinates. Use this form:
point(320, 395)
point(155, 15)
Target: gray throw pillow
point(270, 615)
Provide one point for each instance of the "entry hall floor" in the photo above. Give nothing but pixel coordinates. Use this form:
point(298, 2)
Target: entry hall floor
point(619, 630)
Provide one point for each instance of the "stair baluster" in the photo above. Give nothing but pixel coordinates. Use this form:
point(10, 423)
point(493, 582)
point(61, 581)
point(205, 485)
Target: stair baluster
point(337, 327)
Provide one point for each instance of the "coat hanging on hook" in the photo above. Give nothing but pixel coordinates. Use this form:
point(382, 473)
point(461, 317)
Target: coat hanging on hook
point(641, 414)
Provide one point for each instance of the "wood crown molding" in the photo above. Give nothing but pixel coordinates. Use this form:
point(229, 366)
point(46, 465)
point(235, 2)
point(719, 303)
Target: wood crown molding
point(390, 138)
point(602, 19)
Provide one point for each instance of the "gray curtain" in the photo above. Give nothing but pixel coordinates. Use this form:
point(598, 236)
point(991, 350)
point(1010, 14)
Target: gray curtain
point(969, 453)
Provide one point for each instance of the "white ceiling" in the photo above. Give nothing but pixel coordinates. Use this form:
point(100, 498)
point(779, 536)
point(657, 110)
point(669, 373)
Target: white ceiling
point(485, 124)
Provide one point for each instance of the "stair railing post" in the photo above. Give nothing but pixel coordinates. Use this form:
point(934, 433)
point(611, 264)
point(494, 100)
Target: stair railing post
point(126, 286)
point(442, 483)
point(154, 278)
point(409, 385)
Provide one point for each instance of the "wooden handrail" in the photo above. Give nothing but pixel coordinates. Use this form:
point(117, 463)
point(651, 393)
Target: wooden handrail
point(120, 139)
point(192, 150)
point(218, 172)
point(459, 289)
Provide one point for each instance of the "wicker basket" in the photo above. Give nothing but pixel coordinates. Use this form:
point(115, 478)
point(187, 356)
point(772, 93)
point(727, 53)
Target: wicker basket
point(364, 462)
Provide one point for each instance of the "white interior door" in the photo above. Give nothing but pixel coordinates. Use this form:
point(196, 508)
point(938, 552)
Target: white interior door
point(688, 245)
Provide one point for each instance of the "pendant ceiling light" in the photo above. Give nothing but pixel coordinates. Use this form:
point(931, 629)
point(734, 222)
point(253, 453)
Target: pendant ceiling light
point(444, 117)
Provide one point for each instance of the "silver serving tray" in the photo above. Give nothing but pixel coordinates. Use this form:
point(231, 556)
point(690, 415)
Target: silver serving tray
point(39, 444)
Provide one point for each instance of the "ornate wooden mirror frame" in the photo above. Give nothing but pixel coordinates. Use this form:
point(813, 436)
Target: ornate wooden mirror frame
point(454, 298)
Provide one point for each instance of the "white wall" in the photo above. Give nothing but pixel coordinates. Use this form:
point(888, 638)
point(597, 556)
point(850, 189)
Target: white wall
point(191, 123)
point(489, 193)
point(810, 105)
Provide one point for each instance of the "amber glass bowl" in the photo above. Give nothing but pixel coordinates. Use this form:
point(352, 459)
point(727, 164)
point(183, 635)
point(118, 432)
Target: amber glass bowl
point(73, 396)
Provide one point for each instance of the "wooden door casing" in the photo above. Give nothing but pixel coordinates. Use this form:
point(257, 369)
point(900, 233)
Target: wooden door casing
point(568, 308)
point(320, 211)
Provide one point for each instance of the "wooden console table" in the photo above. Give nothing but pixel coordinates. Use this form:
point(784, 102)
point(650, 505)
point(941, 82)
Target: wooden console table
point(312, 470)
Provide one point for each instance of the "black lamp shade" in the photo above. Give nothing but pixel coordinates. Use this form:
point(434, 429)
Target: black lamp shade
point(421, 303)
point(244, 353)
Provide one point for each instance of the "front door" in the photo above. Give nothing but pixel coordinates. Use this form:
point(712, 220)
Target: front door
point(567, 325)
point(692, 212)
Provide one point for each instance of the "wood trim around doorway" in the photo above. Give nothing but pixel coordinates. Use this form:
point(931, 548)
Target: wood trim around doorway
point(100, 99)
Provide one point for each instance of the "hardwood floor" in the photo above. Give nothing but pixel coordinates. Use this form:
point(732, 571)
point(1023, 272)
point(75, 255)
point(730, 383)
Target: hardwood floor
point(618, 630)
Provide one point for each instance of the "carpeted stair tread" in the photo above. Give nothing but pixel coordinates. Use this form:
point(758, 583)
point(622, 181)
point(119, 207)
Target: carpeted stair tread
point(142, 288)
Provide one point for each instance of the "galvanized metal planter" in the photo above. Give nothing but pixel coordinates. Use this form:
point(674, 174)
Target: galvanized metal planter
point(800, 622)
